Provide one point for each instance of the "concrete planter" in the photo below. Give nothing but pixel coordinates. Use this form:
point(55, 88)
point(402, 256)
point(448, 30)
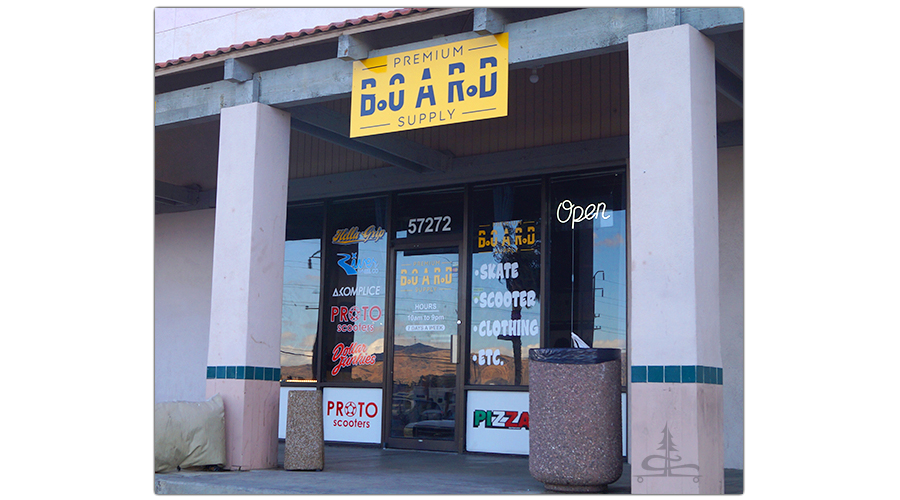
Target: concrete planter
point(304, 442)
point(575, 413)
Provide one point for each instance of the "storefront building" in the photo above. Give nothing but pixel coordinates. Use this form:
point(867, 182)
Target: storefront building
point(395, 209)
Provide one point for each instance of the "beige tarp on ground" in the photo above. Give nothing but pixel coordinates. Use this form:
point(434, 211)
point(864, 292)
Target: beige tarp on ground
point(188, 434)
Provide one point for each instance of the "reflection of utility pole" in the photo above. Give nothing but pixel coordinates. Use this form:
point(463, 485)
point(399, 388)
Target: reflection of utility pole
point(517, 356)
point(594, 278)
point(313, 256)
point(516, 347)
point(594, 292)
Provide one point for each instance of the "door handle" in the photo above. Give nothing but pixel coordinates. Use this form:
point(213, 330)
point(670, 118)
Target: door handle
point(454, 350)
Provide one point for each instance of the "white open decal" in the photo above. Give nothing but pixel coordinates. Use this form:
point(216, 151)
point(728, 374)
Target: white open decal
point(577, 213)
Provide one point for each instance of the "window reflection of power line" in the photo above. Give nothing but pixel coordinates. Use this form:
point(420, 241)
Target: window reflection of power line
point(303, 263)
point(306, 307)
point(307, 355)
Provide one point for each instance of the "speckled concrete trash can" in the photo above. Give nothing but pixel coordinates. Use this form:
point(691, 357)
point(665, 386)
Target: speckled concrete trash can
point(575, 417)
point(304, 440)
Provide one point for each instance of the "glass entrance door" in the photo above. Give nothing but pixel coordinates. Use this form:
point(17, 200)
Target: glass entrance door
point(425, 348)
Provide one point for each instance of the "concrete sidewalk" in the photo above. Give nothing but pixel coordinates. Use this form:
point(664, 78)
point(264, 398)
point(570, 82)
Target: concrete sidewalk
point(352, 470)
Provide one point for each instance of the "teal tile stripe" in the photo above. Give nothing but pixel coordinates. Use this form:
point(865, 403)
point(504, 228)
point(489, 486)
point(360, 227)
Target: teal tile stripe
point(243, 373)
point(676, 374)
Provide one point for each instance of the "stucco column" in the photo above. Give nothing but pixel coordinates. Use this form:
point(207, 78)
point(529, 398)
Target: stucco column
point(676, 409)
point(248, 272)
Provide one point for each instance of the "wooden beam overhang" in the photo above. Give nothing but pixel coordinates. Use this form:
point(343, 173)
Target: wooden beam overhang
point(346, 142)
point(171, 194)
point(172, 198)
point(542, 160)
point(480, 168)
point(729, 85)
point(321, 122)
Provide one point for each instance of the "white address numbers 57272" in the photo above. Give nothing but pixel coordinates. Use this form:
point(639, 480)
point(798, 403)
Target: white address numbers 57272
point(437, 224)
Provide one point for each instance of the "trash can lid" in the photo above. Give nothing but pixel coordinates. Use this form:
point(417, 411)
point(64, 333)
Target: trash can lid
point(574, 356)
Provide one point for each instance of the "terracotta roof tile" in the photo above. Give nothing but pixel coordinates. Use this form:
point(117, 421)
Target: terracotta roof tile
point(291, 35)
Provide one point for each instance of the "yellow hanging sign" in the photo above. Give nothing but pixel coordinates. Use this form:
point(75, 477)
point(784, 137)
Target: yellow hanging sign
point(452, 83)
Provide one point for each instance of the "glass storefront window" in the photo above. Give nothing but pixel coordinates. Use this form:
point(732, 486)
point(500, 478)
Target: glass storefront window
point(506, 283)
point(423, 402)
point(588, 262)
point(585, 273)
point(355, 263)
point(300, 302)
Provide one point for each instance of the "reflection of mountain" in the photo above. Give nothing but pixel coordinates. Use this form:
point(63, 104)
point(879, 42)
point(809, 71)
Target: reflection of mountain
point(417, 348)
point(411, 362)
point(376, 348)
point(302, 372)
point(414, 361)
point(367, 373)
